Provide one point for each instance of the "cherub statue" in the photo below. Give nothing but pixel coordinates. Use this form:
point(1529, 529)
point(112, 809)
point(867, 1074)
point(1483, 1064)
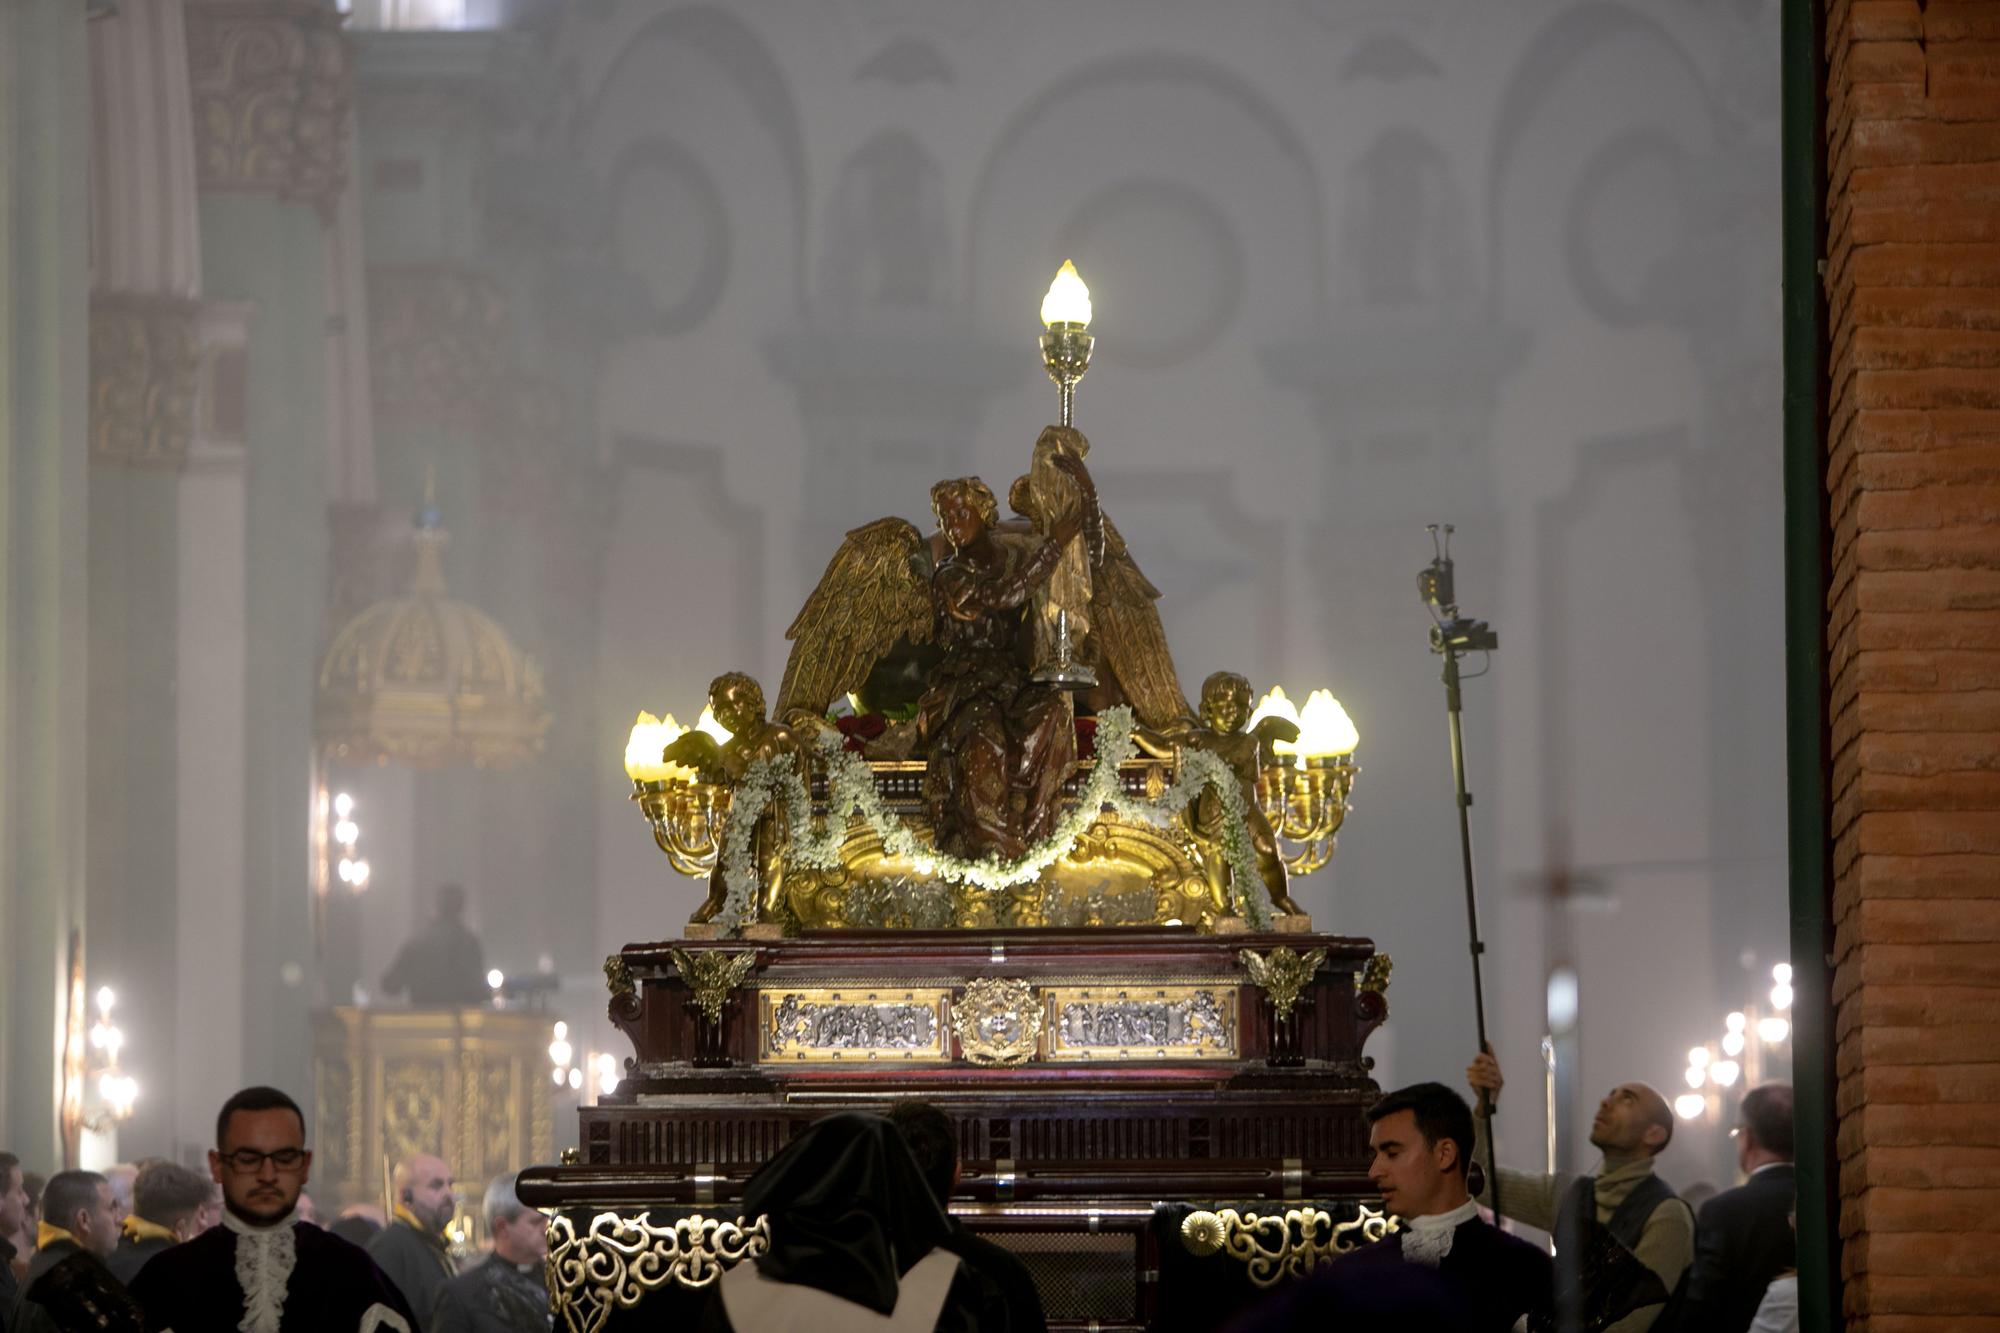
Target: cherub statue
point(738, 704)
point(1225, 709)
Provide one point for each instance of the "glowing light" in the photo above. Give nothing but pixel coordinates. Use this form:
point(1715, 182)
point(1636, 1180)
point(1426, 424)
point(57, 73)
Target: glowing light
point(1732, 1043)
point(106, 997)
point(1725, 1072)
point(561, 1030)
point(347, 833)
point(1735, 1022)
point(1698, 1057)
point(557, 1076)
point(1782, 974)
point(650, 735)
point(1696, 1076)
point(1773, 1030)
point(1781, 996)
point(1275, 704)
point(559, 1053)
point(496, 978)
point(607, 1072)
point(1325, 730)
point(1068, 300)
point(343, 805)
point(1562, 999)
point(575, 1078)
point(1690, 1105)
point(358, 876)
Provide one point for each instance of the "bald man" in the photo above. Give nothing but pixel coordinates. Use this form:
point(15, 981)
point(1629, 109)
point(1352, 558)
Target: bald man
point(1637, 1216)
point(411, 1249)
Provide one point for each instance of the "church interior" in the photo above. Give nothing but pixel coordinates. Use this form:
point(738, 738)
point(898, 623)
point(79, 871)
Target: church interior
point(1179, 570)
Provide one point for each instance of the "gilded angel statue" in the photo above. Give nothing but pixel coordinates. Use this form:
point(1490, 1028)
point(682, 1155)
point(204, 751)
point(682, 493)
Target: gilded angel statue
point(945, 623)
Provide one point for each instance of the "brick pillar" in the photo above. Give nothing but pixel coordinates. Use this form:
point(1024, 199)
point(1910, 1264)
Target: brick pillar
point(1913, 634)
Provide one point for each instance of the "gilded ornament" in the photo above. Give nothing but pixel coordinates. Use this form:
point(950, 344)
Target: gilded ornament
point(1282, 974)
point(711, 974)
point(998, 1021)
point(617, 1260)
point(270, 86)
point(618, 975)
point(1273, 1247)
point(427, 680)
point(143, 364)
point(1375, 976)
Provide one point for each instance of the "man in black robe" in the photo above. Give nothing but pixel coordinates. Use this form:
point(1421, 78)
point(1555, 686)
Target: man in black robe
point(169, 1205)
point(933, 1140)
point(1420, 1138)
point(263, 1270)
point(411, 1249)
point(67, 1285)
point(507, 1291)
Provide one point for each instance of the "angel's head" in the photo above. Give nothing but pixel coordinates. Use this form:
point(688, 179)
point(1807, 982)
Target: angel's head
point(736, 700)
point(965, 507)
point(1225, 701)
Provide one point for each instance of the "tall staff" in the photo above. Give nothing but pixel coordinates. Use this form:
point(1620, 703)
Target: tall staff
point(1452, 637)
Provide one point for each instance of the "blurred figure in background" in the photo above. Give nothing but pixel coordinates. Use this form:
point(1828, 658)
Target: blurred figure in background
point(443, 965)
point(169, 1202)
point(507, 1291)
point(411, 1249)
point(358, 1224)
point(68, 1284)
point(1743, 1240)
point(13, 1218)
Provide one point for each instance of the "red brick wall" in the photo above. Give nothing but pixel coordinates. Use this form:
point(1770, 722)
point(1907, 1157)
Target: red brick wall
point(1913, 476)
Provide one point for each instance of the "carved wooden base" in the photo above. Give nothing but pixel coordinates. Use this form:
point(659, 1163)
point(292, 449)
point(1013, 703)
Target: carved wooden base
point(1088, 1071)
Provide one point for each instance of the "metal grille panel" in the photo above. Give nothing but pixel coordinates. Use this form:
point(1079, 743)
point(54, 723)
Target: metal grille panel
point(1081, 1275)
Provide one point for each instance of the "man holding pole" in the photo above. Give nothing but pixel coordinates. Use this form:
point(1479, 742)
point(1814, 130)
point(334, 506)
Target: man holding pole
point(1624, 1239)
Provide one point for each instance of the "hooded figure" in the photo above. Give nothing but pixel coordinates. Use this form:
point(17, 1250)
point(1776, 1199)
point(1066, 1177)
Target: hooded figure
point(855, 1243)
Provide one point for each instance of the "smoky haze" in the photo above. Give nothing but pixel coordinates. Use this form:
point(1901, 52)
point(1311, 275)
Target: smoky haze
point(669, 297)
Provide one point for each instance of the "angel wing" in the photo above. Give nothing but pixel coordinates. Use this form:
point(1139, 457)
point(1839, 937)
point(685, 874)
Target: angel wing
point(1130, 638)
point(872, 595)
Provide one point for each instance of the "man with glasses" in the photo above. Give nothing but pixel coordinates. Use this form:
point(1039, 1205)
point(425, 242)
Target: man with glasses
point(263, 1270)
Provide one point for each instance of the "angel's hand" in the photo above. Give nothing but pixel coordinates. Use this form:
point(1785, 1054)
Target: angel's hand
point(699, 751)
point(1272, 729)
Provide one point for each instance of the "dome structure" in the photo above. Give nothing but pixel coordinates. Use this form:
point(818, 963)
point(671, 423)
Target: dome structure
point(426, 680)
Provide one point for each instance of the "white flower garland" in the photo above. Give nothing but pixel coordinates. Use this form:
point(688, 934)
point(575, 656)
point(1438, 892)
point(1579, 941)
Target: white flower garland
point(851, 788)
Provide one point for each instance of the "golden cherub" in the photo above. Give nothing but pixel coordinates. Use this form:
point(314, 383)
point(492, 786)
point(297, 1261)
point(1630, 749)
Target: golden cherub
point(1225, 711)
point(738, 704)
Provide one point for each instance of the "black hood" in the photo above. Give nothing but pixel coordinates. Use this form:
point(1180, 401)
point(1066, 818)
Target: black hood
point(849, 1210)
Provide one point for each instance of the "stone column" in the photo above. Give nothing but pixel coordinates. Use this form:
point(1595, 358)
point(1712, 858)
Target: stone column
point(1912, 277)
point(144, 311)
point(44, 518)
point(269, 84)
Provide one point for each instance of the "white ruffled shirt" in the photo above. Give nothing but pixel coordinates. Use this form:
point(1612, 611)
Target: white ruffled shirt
point(265, 1258)
point(1427, 1240)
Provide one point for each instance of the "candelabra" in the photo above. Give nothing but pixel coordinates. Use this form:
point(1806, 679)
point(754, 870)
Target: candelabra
point(1307, 805)
point(687, 815)
point(1066, 340)
point(1306, 801)
point(687, 820)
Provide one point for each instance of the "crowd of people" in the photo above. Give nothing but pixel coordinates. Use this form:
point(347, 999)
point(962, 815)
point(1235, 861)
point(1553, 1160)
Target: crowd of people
point(861, 1237)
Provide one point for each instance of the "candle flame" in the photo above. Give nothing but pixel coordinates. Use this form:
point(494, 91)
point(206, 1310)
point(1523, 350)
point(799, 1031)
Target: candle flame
point(1068, 301)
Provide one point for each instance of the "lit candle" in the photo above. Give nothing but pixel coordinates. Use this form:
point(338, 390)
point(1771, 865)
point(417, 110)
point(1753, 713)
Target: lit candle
point(1068, 301)
point(1325, 730)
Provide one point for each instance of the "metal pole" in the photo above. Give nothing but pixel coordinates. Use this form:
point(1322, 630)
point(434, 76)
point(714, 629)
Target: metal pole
point(1452, 697)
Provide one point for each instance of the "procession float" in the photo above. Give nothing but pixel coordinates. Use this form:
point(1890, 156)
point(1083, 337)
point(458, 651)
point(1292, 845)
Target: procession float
point(982, 850)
